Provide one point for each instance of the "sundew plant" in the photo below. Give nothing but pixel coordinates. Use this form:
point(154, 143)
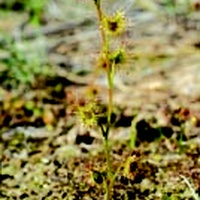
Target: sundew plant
point(111, 27)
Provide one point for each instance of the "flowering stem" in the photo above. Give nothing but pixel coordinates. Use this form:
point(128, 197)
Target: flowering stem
point(110, 79)
point(103, 35)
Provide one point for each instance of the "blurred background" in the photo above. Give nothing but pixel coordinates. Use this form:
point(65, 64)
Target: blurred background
point(47, 46)
point(48, 55)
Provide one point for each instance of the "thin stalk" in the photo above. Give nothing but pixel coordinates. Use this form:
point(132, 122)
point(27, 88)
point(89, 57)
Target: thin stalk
point(103, 35)
point(109, 180)
point(194, 194)
point(108, 175)
point(110, 78)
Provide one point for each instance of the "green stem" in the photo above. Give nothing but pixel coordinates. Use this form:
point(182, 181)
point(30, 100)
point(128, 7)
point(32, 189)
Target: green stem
point(109, 174)
point(110, 78)
point(108, 185)
point(103, 34)
point(109, 182)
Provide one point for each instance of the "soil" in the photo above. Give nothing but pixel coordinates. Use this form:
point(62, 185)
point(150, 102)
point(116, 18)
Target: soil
point(46, 153)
